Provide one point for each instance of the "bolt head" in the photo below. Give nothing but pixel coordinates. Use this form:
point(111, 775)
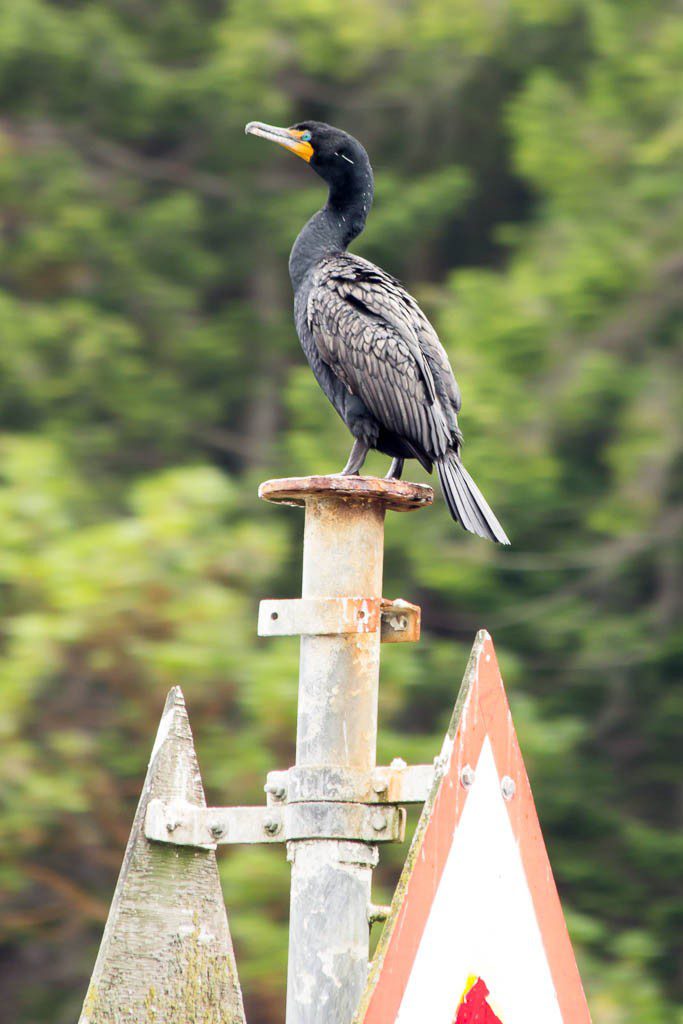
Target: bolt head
point(507, 787)
point(171, 826)
point(271, 826)
point(379, 822)
point(216, 829)
point(398, 764)
point(467, 776)
point(380, 785)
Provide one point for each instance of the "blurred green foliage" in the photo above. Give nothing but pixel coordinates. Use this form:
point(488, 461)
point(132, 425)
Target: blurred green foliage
point(529, 159)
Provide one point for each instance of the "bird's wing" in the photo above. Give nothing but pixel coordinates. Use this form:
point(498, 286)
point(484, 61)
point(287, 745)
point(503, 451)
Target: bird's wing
point(378, 342)
point(384, 296)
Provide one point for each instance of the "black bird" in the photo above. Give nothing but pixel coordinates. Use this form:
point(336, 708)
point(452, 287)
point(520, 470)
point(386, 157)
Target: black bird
point(372, 350)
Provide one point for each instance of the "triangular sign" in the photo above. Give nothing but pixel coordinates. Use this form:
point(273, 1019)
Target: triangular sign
point(476, 932)
point(166, 955)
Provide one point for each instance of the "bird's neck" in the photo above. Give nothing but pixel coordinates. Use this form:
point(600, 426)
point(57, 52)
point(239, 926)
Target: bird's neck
point(330, 230)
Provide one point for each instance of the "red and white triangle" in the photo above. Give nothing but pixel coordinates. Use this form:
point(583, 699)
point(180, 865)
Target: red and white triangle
point(476, 934)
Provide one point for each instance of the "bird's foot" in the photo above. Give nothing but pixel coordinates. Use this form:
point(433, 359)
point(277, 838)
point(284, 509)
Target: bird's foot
point(357, 457)
point(395, 470)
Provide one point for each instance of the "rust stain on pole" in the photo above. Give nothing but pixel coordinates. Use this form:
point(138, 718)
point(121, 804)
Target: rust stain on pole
point(337, 728)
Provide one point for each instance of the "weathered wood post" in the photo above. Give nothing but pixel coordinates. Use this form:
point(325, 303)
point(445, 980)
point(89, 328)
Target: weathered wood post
point(339, 618)
point(166, 956)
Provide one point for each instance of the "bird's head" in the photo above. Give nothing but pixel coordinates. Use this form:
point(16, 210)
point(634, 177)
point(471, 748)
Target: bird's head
point(333, 154)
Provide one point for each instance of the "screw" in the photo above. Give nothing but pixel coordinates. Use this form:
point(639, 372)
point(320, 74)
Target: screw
point(271, 826)
point(379, 822)
point(274, 616)
point(467, 776)
point(276, 790)
point(171, 826)
point(217, 829)
point(507, 787)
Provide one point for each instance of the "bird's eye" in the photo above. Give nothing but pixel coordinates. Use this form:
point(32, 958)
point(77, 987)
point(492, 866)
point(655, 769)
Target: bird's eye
point(306, 136)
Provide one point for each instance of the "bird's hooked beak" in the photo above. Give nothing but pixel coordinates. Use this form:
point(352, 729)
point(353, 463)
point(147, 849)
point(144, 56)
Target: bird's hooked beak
point(287, 137)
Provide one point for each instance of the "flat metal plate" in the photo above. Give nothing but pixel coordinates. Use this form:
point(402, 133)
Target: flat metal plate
point(320, 616)
point(399, 495)
point(398, 621)
point(205, 828)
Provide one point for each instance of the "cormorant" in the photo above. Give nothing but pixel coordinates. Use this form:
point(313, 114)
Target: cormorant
point(372, 349)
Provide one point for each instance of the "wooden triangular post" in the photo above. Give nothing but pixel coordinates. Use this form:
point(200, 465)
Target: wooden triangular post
point(166, 955)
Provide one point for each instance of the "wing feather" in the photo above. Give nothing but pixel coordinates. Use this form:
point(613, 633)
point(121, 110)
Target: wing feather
point(382, 292)
point(374, 337)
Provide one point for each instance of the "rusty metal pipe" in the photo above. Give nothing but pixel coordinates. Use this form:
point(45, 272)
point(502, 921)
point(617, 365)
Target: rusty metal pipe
point(336, 727)
point(339, 674)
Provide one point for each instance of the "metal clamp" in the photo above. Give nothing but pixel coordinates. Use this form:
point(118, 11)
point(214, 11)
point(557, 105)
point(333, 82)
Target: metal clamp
point(398, 621)
point(184, 824)
point(396, 784)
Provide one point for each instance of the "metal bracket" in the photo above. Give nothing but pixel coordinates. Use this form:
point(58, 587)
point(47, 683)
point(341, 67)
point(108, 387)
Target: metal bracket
point(396, 784)
point(184, 824)
point(318, 616)
point(398, 621)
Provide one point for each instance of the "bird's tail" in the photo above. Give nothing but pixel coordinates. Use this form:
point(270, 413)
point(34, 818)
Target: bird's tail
point(466, 503)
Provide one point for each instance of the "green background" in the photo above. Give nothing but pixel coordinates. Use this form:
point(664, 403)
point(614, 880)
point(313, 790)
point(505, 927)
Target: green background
point(529, 162)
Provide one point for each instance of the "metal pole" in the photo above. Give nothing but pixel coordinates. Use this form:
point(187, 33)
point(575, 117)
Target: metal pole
point(337, 728)
point(329, 934)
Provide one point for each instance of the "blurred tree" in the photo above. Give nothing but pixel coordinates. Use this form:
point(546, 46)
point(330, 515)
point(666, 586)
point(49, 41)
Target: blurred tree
point(529, 158)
